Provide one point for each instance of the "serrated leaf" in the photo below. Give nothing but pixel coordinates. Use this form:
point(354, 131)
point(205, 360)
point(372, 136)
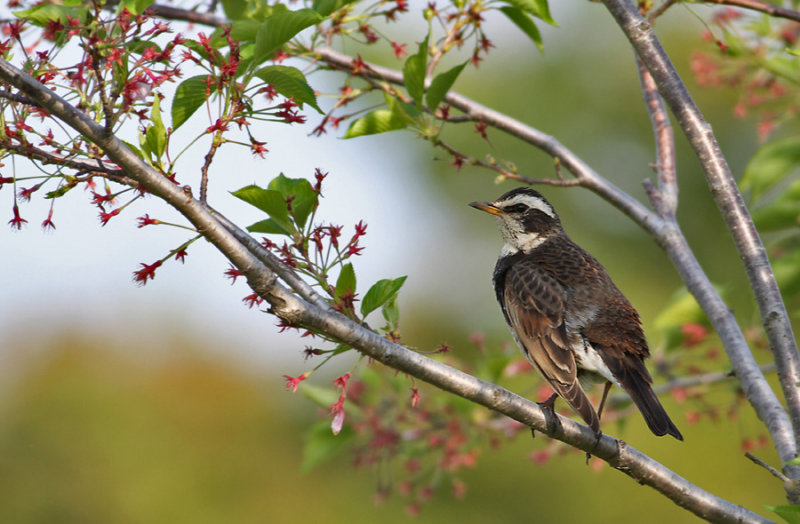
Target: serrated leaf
point(391, 312)
point(789, 513)
point(414, 72)
point(245, 30)
point(538, 8)
point(346, 283)
point(771, 164)
point(269, 201)
point(136, 7)
point(42, 14)
point(321, 445)
point(234, 9)
point(279, 29)
point(326, 7)
point(525, 23)
point(289, 82)
point(441, 84)
point(268, 226)
point(302, 195)
point(189, 96)
point(380, 293)
point(378, 121)
point(156, 135)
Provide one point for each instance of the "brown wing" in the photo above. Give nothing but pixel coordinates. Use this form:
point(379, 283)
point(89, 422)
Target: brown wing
point(534, 305)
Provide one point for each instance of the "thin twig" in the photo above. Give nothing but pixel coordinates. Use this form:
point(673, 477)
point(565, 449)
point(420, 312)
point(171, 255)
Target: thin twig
point(665, 200)
point(17, 98)
point(777, 474)
point(763, 7)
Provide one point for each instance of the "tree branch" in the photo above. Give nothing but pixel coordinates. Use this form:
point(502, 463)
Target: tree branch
point(294, 309)
point(723, 188)
point(763, 7)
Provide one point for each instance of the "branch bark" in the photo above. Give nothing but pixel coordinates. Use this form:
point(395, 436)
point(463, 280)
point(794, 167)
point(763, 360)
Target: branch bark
point(292, 308)
point(732, 207)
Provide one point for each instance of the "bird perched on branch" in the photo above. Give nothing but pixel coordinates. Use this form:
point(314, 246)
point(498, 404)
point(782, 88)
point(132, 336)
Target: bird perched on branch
point(570, 320)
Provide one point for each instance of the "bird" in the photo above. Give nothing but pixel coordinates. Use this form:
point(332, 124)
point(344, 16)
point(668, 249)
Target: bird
point(567, 316)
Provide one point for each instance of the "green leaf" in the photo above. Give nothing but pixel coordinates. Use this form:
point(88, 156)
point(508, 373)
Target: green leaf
point(245, 30)
point(537, 8)
point(279, 29)
point(189, 96)
point(61, 191)
point(781, 213)
point(391, 312)
point(270, 227)
point(794, 462)
point(346, 283)
point(326, 7)
point(289, 82)
point(156, 135)
point(414, 72)
point(789, 513)
point(681, 309)
point(378, 121)
point(772, 163)
point(136, 7)
point(42, 14)
point(380, 293)
point(269, 201)
point(787, 272)
point(235, 9)
point(322, 397)
point(321, 445)
point(524, 22)
point(303, 196)
point(441, 84)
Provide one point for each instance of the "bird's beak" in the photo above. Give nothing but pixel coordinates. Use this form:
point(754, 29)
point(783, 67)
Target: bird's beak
point(489, 207)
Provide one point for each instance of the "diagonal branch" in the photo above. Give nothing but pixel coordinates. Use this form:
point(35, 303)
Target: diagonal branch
point(295, 310)
point(732, 207)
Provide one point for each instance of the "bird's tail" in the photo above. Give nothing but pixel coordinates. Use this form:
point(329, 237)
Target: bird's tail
point(635, 380)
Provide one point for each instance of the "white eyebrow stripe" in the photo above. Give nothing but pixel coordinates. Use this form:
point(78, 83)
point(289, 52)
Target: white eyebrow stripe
point(530, 201)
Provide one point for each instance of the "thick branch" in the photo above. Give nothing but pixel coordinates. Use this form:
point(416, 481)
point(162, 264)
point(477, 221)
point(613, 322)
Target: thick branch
point(295, 310)
point(731, 205)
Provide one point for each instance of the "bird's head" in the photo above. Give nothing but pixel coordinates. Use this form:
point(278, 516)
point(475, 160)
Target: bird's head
point(525, 217)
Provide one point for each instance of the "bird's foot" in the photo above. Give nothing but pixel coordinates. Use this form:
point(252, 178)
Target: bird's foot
point(548, 406)
point(599, 435)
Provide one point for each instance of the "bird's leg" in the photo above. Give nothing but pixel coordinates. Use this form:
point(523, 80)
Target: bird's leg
point(603, 400)
point(599, 417)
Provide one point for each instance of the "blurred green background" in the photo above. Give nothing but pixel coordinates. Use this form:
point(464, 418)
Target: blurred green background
point(140, 416)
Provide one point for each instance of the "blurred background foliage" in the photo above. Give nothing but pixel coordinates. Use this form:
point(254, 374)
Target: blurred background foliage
point(94, 427)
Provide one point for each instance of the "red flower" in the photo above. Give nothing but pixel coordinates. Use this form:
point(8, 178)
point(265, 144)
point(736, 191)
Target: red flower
point(148, 271)
point(147, 221)
point(480, 127)
point(181, 255)
point(257, 147)
point(233, 274)
point(414, 397)
point(48, 222)
point(105, 217)
point(252, 300)
point(341, 382)
point(219, 125)
point(358, 65)
point(337, 410)
point(458, 161)
point(17, 221)
point(399, 50)
point(293, 382)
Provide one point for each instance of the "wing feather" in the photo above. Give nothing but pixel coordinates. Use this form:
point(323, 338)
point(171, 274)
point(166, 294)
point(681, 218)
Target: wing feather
point(534, 304)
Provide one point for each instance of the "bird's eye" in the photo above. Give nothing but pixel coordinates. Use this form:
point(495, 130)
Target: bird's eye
point(517, 208)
